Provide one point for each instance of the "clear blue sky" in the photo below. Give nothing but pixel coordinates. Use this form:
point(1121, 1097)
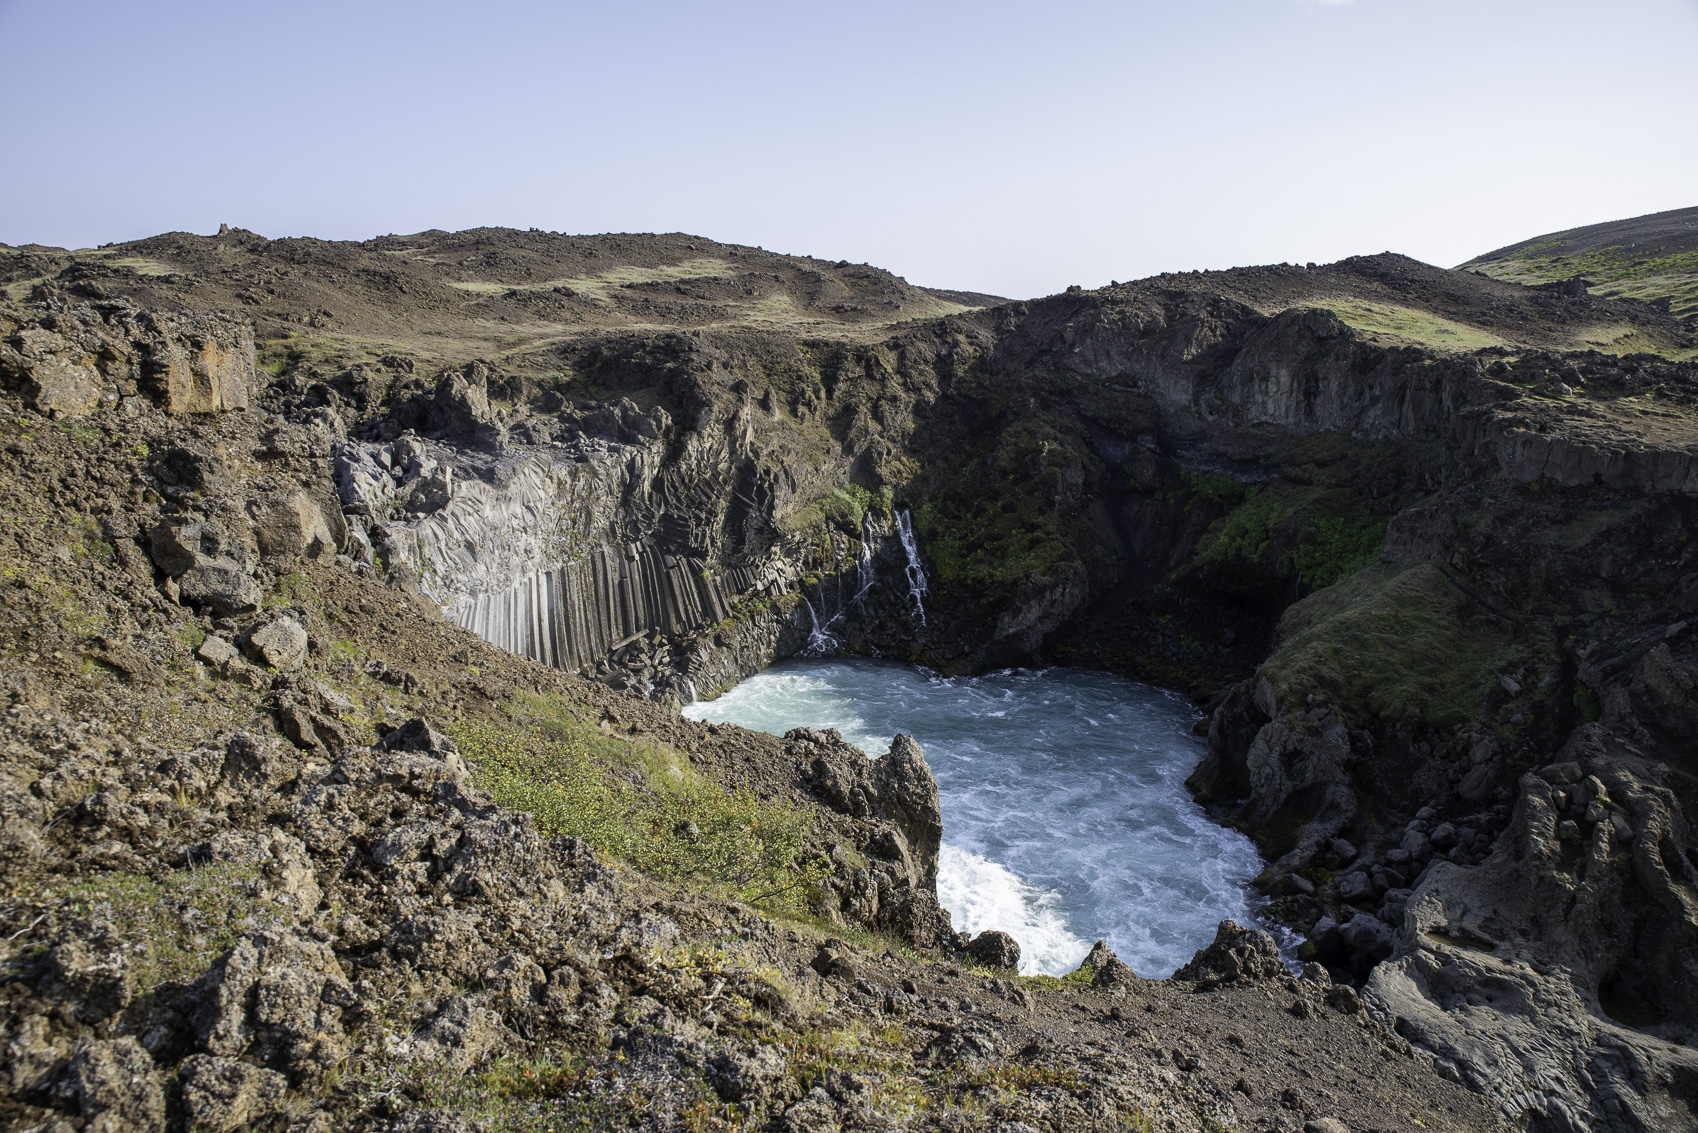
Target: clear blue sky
point(1005, 147)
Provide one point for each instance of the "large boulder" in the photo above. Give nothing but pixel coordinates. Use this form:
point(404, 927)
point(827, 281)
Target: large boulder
point(277, 997)
point(995, 949)
point(282, 644)
point(1368, 935)
point(1237, 954)
point(907, 795)
point(297, 526)
point(209, 566)
point(1105, 967)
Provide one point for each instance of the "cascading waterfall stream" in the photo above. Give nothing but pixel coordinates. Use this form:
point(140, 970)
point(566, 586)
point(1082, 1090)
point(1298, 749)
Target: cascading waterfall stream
point(864, 574)
point(916, 572)
point(821, 641)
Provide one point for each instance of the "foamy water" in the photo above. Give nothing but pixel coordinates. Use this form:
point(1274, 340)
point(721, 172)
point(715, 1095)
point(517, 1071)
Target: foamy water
point(1065, 813)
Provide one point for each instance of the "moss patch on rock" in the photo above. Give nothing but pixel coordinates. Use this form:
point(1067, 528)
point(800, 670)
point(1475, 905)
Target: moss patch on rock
point(1397, 645)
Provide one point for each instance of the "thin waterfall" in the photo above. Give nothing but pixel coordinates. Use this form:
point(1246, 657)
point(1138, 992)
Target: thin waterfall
point(864, 576)
point(821, 641)
point(916, 572)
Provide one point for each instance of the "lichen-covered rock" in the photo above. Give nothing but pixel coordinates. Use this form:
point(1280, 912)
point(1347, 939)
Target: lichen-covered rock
point(966, 1044)
point(221, 1094)
point(282, 644)
point(458, 1035)
point(115, 1087)
point(739, 1076)
point(35, 1056)
point(92, 970)
point(277, 996)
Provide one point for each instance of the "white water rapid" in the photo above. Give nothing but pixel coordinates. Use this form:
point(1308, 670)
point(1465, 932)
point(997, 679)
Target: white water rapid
point(1065, 812)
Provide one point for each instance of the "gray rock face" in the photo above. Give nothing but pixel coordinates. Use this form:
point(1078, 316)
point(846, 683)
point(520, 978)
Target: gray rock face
point(187, 363)
point(1523, 1013)
point(1368, 935)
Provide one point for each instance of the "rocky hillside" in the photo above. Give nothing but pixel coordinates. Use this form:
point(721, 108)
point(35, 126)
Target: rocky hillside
point(1431, 591)
point(1653, 258)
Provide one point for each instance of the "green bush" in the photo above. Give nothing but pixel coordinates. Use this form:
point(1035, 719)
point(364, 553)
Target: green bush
point(1246, 532)
point(1333, 548)
point(639, 802)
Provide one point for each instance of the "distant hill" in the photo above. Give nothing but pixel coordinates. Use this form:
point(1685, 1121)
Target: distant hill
point(485, 292)
point(1649, 257)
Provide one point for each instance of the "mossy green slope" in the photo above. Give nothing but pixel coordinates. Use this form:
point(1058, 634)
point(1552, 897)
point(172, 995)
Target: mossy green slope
point(1649, 257)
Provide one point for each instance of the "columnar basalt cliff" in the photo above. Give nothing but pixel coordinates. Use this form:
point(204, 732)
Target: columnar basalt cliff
point(1421, 552)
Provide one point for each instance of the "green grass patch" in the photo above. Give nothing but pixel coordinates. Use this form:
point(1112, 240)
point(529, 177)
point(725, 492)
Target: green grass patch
point(571, 1094)
point(1333, 548)
point(1408, 324)
point(1077, 978)
point(1390, 644)
point(640, 802)
point(182, 922)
